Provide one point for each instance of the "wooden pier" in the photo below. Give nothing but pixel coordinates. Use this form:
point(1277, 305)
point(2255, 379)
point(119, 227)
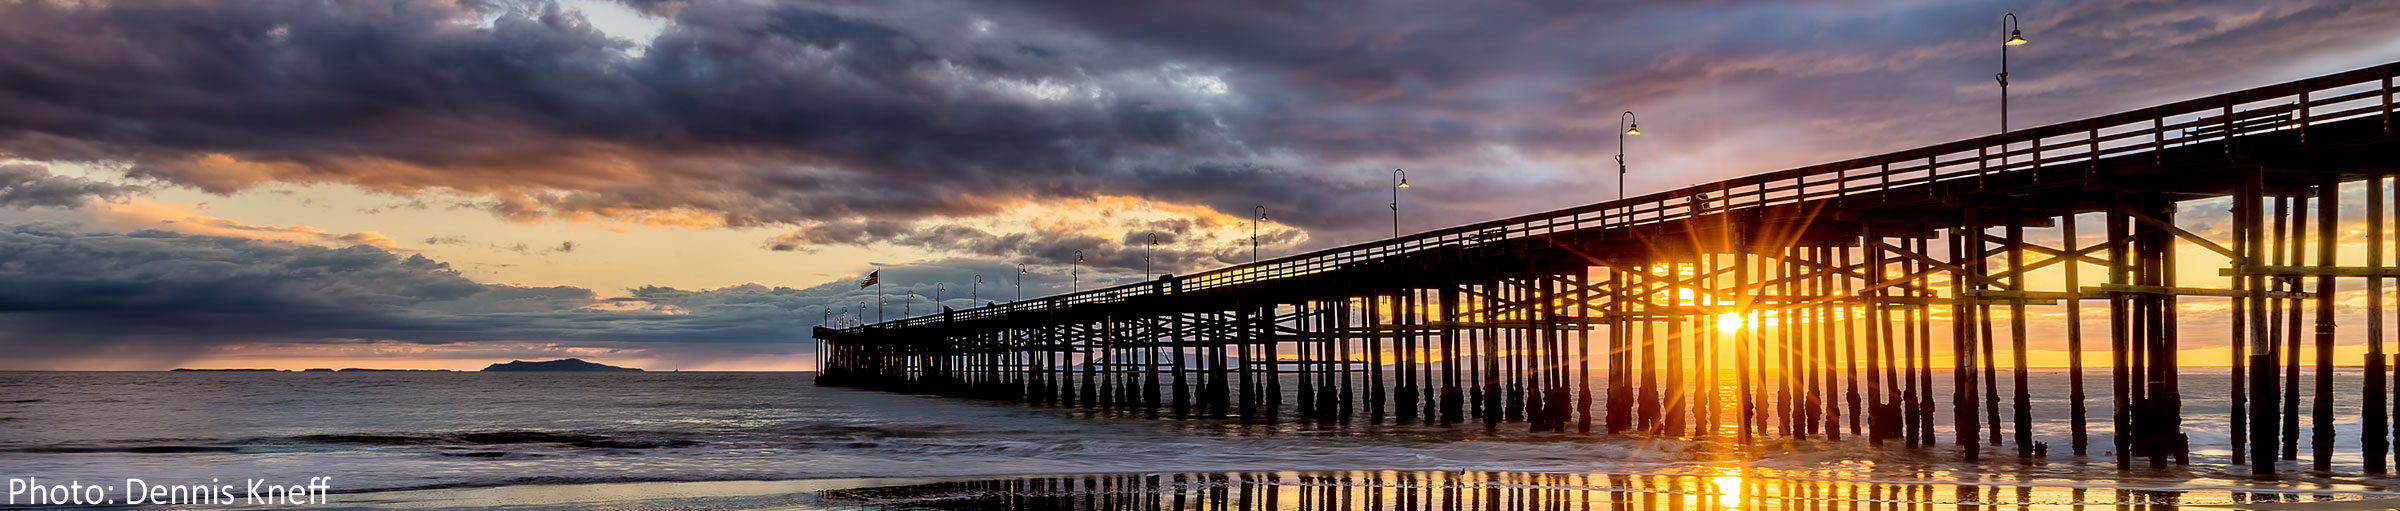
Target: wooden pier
point(1803, 303)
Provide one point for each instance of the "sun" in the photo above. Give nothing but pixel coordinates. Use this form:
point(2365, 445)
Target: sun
point(1730, 322)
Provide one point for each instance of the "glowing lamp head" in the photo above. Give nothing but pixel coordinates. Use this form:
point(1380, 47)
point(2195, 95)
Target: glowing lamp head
point(1634, 130)
point(1404, 182)
point(2015, 38)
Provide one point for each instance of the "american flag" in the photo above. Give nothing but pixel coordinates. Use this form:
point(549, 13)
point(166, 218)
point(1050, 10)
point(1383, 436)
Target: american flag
point(873, 277)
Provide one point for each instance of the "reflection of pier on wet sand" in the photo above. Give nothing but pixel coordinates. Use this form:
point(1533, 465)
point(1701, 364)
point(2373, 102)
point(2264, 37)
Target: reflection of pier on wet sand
point(1475, 491)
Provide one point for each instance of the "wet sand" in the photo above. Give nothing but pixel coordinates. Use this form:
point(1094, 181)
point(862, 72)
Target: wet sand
point(1344, 490)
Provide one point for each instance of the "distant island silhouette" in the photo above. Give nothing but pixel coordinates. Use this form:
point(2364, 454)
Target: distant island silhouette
point(561, 365)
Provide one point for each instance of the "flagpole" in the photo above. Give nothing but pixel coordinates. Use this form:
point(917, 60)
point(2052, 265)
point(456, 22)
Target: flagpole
point(879, 299)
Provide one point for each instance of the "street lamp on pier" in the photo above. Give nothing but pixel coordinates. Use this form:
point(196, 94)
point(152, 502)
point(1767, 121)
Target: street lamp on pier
point(1399, 180)
point(2016, 37)
point(1627, 124)
point(1262, 216)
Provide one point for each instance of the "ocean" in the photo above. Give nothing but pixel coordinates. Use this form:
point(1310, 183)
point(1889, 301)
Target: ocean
point(374, 432)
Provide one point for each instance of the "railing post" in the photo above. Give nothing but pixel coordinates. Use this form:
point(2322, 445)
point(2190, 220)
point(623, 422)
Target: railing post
point(1841, 189)
point(2091, 136)
point(1933, 173)
point(2304, 112)
point(2158, 137)
point(1884, 190)
point(2036, 170)
point(2227, 119)
point(1983, 161)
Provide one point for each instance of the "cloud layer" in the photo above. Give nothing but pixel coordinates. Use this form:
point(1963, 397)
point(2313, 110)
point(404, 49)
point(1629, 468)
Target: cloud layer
point(748, 112)
point(25, 186)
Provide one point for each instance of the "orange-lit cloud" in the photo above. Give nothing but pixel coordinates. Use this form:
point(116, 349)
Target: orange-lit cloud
point(184, 218)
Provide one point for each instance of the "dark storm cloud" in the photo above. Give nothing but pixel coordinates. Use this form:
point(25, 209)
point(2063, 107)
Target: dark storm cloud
point(760, 112)
point(893, 112)
point(1038, 244)
point(1181, 247)
point(29, 186)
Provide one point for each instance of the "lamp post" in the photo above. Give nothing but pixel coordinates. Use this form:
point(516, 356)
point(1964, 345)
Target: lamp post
point(937, 294)
point(975, 292)
point(1075, 274)
point(1399, 180)
point(911, 304)
point(1627, 124)
point(1262, 216)
point(1147, 272)
point(2016, 37)
point(1020, 283)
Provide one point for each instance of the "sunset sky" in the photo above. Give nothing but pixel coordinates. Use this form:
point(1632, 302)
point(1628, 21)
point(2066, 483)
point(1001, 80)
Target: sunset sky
point(689, 184)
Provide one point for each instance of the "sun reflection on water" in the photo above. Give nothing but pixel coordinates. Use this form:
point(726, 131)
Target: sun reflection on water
point(1729, 491)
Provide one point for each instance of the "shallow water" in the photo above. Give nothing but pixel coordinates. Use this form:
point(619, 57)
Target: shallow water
point(387, 431)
